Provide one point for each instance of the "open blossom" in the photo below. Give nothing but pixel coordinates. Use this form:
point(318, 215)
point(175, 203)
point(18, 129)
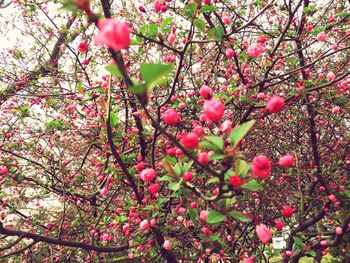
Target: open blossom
point(144, 225)
point(255, 50)
point(263, 233)
point(83, 47)
point(321, 36)
point(147, 175)
point(167, 245)
point(203, 215)
point(275, 104)
point(261, 166)
point(113, 34)
point(213, 109)
point(286, 161)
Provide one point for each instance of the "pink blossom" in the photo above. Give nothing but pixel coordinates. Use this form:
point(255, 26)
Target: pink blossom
point(229, 53)
point(113, 34)
point(203, 215)
point(167, 245)
point(339, 230)
point(322, 36)
point(147, 175)
point(190, 140)
point(83, 47)
point(261, 166)
point(255, 50)
point(263, 233)
point(144, 225)
point(205, 92)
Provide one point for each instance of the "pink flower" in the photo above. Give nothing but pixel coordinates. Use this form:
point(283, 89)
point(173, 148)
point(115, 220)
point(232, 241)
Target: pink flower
point(261, 39)
point(190, 140)
point(275, 104)
point(261, 166)
point(144, 225)
point(286, 161)
point(322, 36)
point(255, 50)
point(153, 222)
point(263, 233)
point(158, 4)
point(330, 76)
point(248, 260)
point(171, 117)
point(167, 245)
point(236, 181)
point(287, 211)
point(83, 47)
point(336, 109)
point(147, 175)
point(203, 215)
point(226, 126)
point(113, 34)
point(205, 92)
point(226, 19)
point(230, 53)
point(214, 109)
point(103, 192)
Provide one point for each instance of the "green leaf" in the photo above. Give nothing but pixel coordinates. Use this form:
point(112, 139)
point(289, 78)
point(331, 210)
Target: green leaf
point(113, 119)
point(207, 8)
point(137, 89)
point(165, 178)
point(217, 156)
point(241, 167)
point(239, 216)
point(212, 142)
point(186, 167)
point(113, 69)
point(175, 186)
point(299, 242)
point(155, 74)
point(214, 238)
point(152, 30)
point(213, 180)
point(252, 185)
point(215, 217)
point(190, 10)
point(240, 132)
point(193, 214)
point(166, 22)
point(216, 33)
point(200, 24)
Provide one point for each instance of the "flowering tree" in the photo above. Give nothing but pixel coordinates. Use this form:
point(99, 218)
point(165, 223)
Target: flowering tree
point(171, 131)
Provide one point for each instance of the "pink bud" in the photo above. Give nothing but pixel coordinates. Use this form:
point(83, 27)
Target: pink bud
point(203, 158)
point(236, 181)
point(286, 161)
point(144, 225)
point(226, 19)
point(263, 233)
point(203, 215)
point(188, 176)
point(339, 230)
point(153, 188)
point(261, 166)
point(275, 104)
point(190, 140)
point(255, 50)
point(171, 117)
point(287, 211)
point(230, 53)
point(167, 245)
point(205, 92)
point(214, 109)
point(83, 47)
point(153, 222)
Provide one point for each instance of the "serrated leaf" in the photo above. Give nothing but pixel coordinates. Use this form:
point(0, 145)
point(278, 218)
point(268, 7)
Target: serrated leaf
point(190, 10)
point(252, 185)
point(214, 238)
point(215, 217)
point(155, 74)
point(186, 167)
point(217, 156)
point(200, 24)
point(113, 69)
point(207, 8)
point(240, 132)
